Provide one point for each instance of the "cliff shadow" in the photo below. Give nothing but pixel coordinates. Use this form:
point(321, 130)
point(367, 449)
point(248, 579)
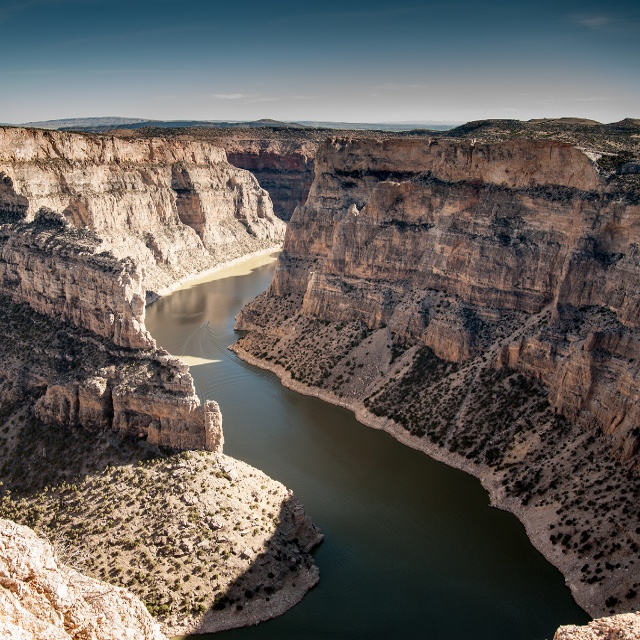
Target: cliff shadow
point(277, 576)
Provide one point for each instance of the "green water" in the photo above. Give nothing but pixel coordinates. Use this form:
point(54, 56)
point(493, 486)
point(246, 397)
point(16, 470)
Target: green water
point(412, 548)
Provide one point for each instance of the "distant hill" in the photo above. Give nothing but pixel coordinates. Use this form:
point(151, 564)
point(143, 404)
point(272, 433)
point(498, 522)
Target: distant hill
point(107, 123)
point(612, 138)
point(380, 126)
point(102, 124)
point(83, 123)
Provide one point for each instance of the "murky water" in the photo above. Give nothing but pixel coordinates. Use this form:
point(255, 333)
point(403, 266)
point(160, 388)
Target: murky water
point(412, 548)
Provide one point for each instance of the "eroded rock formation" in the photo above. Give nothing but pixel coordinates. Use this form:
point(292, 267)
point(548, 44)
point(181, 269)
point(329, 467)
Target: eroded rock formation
point(479, 301)
point(41, 598)
point(178, 206)
point(625, 626)
point(91, 361)
point(512, 227)
point(284, 168)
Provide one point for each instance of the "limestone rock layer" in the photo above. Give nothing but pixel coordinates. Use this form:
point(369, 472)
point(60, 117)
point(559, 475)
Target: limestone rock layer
point(178, 206)
point(107, 372)
point(41, 598)
point(516, 227)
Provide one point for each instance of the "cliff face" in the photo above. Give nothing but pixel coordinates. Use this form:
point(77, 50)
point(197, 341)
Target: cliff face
point(480, 302)
point(507, 228)
point(106, 371)
point(178, 206)
point(41, 598)
point(283, 168)
point(60, 274)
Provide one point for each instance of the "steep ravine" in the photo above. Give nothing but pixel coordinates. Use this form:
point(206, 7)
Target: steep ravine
point(480, 303)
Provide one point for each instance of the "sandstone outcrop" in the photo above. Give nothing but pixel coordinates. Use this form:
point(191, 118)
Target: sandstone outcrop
point(108, 373)
point(480, 302)
point(62, 274)
point(178, 206)
point(625, 626)
point(41, 598)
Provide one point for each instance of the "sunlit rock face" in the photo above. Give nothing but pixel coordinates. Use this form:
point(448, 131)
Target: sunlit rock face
point(177, 206)
point(42, 598)
point(625, 626)
point(515, 227)
point(100, 368)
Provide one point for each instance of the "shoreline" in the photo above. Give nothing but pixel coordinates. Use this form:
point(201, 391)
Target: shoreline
point(178, 284)
point(489, 481)
point(280, 602)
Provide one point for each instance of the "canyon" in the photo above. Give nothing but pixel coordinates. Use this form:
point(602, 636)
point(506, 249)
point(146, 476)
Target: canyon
point(476, 297)
point(92, 412)
point(479, 301)
point(178, 206)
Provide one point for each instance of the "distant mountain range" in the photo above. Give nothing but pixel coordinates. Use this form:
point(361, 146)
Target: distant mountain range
point(107, 123)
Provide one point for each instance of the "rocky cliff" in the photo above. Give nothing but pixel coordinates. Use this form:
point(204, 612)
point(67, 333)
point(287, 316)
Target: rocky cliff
point(506, 228)
point(178, 206)
point(284, 168)
point(480, 301)
point(91, 360)
point(41, 598)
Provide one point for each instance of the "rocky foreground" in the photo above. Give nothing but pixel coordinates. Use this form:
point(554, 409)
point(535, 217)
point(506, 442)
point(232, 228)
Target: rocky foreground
point(205, 541)
point(42, 598)
point(480, 302)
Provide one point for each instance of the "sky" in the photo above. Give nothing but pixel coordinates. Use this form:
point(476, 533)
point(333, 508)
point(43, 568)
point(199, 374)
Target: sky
point(399, 61)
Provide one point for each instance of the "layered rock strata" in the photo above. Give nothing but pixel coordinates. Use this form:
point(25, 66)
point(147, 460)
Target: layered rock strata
point(41, 598)
point(91, 361)
point(178, 206)
point(507, 228)
point(481, 303)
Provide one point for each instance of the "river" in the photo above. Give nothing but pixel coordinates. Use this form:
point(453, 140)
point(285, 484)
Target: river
point(412, 548)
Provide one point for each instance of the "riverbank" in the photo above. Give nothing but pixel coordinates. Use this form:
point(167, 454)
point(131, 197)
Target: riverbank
point(201, 276)
point(535, 520)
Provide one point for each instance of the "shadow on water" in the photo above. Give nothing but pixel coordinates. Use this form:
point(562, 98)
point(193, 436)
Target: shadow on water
point(411, 547)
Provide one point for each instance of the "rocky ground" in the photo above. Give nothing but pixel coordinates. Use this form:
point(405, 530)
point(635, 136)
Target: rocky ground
point(205, 541)
point(42, 598)
point(581, 505)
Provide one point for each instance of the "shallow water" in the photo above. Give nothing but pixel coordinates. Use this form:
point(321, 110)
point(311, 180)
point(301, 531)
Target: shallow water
point(412, 548)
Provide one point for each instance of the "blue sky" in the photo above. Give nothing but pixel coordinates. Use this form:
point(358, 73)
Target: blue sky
point(349, 61)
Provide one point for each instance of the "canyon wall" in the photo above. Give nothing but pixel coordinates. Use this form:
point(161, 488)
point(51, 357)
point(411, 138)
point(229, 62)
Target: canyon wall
point(178, 206)
point(479, 302)
point(284, 168)
point(506, 228)
point(91, 361)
